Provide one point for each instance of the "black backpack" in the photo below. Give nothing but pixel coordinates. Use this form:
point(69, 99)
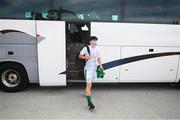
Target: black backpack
point(80, 63)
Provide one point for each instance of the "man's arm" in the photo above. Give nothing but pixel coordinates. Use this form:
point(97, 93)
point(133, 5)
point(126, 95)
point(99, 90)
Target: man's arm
point(100, 62)
point(84, 57)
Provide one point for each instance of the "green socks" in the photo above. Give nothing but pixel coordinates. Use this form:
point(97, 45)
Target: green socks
point(89, 100)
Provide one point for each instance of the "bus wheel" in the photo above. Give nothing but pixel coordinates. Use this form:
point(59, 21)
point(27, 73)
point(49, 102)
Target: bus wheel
point(13, 77)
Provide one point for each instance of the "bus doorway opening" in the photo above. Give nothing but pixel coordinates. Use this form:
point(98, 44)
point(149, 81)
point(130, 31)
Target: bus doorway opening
point(77, 35)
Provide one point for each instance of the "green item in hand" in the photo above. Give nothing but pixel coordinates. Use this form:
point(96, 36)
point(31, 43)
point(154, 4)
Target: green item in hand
point(100, 73)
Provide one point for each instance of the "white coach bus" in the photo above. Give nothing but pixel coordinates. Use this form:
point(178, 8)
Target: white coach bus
point(139, 40)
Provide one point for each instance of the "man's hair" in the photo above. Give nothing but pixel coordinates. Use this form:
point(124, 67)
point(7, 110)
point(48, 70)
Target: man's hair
point(92, 38)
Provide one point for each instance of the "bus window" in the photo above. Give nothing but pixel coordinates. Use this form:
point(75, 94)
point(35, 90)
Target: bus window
point(20, 9)
point(132, 11)
point(89, 10)
point(151, 11)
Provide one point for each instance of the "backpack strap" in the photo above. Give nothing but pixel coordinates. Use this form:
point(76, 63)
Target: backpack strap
point(88, 50)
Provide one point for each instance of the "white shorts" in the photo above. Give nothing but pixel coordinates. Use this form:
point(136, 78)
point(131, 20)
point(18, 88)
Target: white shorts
point(89, 75)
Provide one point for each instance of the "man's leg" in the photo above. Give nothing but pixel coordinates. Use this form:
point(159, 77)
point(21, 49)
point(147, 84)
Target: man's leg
point(88, 92)
point(88, 76)
point(88, 95)
point(88, 89)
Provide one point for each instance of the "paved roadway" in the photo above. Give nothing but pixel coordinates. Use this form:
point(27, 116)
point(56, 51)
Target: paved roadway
point(145, 101)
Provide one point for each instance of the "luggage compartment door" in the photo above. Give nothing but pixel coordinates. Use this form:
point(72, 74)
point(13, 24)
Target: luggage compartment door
point(149, 64)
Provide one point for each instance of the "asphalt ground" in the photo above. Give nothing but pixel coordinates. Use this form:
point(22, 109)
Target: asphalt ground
point(112, 101)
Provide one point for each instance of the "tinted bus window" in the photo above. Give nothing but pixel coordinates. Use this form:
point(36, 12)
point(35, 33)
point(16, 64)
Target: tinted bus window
point(88, 10)
point(22, 9)
point(151, 11)
point(133, 11)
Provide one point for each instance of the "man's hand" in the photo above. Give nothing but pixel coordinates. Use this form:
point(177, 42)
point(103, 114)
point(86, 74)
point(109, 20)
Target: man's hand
point(101, 67)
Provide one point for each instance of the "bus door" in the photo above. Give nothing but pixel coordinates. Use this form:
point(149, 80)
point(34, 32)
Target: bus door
point(77, 34)
point(51, 53)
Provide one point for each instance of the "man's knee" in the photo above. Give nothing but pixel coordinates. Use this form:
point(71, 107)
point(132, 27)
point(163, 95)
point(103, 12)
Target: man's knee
point(88, 85)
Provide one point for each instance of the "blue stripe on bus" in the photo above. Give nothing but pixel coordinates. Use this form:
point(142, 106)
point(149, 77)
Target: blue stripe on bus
point(123, 61)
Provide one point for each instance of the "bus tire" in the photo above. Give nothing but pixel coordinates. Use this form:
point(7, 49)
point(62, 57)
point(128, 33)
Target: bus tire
point(13, 77)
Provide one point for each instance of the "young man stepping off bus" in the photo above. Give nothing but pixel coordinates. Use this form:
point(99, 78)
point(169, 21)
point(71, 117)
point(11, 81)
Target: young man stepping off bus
point(91, 54)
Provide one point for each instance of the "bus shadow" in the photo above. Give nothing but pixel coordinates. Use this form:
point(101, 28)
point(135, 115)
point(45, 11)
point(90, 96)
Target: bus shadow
point(103, 86)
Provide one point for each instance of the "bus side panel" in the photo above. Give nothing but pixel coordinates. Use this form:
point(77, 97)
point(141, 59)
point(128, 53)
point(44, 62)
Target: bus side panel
point(143, 68)
point(51, 53)
point(109, 53)
point(131, 34)
point(136, 42)
point(178, 72)
point(23, 54)
point(17, 32)
point(19, 37)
